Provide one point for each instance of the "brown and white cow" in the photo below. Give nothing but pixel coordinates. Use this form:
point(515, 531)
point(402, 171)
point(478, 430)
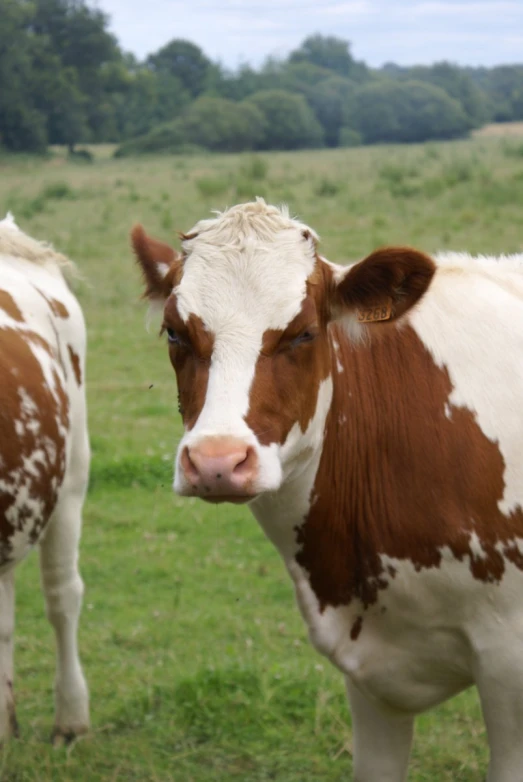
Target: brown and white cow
point(372, 417)
point(44, 460)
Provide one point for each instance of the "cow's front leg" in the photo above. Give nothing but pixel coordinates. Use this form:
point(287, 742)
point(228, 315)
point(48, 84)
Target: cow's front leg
point(500, 685)
point(8, 724)
point(381, 740)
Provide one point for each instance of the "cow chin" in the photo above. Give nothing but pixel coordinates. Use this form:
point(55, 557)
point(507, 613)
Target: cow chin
point(239, 500)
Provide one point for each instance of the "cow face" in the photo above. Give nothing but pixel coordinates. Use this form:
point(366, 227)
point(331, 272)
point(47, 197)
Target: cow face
point(247, 309)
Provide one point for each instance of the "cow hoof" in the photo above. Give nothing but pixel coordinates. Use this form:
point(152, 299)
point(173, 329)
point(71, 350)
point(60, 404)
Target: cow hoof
point(13, 724)
point(61, 737)
point(8, 722)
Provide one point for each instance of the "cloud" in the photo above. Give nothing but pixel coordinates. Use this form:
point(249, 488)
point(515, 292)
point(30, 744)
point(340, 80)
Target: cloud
point(403, 31)
point(345, 9)
point(463, 9)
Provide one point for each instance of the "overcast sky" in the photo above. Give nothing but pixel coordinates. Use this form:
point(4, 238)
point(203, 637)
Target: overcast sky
point(473, 32)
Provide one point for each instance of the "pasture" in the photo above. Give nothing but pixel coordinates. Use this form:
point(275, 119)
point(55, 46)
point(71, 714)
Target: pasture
point(197, 660)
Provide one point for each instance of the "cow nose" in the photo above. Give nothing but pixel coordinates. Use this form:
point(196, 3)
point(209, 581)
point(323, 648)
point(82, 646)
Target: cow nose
point(220, 468)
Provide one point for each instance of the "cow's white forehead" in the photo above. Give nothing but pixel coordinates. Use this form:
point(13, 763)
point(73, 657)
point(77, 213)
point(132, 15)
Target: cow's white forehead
point(246, 268)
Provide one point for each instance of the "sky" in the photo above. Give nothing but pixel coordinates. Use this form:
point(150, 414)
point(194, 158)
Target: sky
point(467, 32)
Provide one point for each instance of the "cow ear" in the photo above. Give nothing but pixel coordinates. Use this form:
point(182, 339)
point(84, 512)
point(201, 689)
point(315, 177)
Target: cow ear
point(160, 265)
point(383, 286)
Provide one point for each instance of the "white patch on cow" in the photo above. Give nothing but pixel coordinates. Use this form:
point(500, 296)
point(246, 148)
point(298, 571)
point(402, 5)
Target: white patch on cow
point(50, 449)
point(27, 404)
point(471, 320)
point(53, 375)
point(448, 411)
point(163, 269)
point(299, 442)
point(245, 273)
point(32, 464)
point(34, 426)
point(475, 546)
point(339, 365)
point(280, 512)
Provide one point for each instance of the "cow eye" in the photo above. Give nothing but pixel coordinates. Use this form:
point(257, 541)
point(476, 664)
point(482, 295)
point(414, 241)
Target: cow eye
point(305, 336)
point(173, 337)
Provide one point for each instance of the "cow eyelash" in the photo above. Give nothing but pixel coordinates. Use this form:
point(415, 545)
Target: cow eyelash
point(174, 338)
point(305, 336)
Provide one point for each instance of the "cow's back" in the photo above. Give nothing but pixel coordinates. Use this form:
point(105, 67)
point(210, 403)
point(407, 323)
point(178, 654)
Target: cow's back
point(42, 346)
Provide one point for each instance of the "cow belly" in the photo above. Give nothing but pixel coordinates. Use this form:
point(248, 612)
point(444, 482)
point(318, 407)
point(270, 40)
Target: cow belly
point(424, 638)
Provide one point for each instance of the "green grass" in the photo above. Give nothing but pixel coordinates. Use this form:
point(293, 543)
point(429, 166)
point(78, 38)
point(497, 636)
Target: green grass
point(198, 662)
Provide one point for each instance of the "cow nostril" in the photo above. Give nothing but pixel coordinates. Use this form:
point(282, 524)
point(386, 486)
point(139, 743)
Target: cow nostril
point(246, 465)
point(218, 475)
point(189, 467)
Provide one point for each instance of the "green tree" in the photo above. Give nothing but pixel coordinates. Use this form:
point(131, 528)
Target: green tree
point(71, 46)
point(290, 122)
point(146, 100)
point(332, 103)
point(390, 111)
point(57, 96)
point(458, 84)
point(186, 62)
point(504, 86)
point(222, 125)
point(301, 76)
point(328, 52)
point(22, 125)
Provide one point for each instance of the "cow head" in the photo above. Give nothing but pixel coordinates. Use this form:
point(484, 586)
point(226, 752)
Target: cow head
point(246, 311)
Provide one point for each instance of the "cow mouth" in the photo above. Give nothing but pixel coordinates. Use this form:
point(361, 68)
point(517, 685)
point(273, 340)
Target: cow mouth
point(235, 499)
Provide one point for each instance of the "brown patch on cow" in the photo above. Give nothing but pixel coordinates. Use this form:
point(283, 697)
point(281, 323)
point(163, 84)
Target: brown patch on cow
point(8, 304)
point(34, 417)
point(150, 253)
point(279, 397)
point(187, 237)
point(57, 308)
point(356, 628)
point(191, 360)
point(406, 481)
point(75, 363)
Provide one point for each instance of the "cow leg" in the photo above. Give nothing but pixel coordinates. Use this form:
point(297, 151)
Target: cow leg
point(381, 740)
point(63, 591)
point(500, 686)
point(8, 723)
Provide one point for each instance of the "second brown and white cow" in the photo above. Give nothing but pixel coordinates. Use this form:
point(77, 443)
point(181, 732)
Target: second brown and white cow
point(372, 417)
point(44, 460)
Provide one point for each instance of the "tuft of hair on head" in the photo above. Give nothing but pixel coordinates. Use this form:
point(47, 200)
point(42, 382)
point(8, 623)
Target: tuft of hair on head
point(9, 222)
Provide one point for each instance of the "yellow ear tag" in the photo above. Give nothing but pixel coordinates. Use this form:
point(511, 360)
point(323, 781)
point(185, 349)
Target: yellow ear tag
point(375, 314)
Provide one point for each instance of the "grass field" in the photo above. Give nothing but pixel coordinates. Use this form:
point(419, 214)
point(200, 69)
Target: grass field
point(198, 663)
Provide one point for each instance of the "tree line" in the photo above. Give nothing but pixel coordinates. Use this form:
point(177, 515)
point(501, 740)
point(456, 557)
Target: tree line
point(64, 79)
